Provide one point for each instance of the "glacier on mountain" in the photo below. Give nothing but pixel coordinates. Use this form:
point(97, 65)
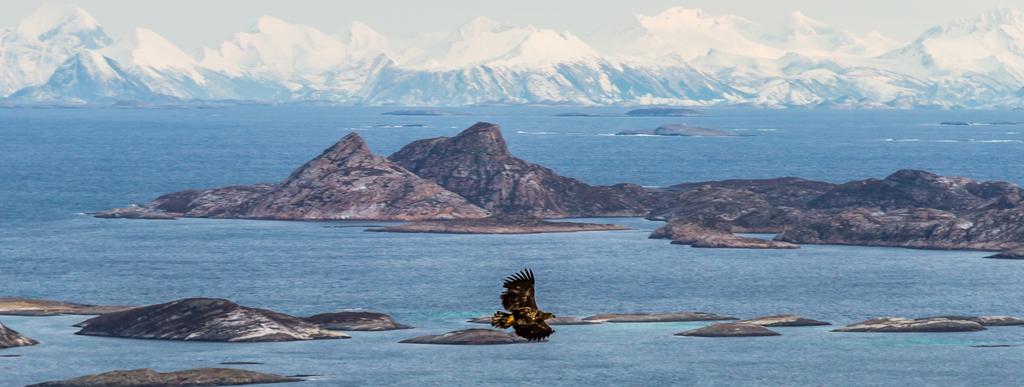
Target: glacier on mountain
point(61, 54)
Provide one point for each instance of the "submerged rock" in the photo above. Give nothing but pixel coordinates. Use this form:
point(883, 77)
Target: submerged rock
point(468, 337)
point(502, 225)
point(685, 233)
point(899, 325)
point(135, 212)
point(345, 182)
point(656, 317)
point(204, 319)
point(10, 338)
point(736, 329)
point(478, 165)
point(663, 112)
point(37, 307)
point(1009, 254)
point(783, 320)
point(150, 378)
point(356, 321)
point(679, 130)
point(988, 321)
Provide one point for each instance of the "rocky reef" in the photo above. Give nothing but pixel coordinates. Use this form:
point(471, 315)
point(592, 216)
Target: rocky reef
point(356, 321)
point(1009, 254)
point(663, 112)
point(473, 336)
point(10, 338)
point(478, 165)
point(685, 233)
point(734, 329)
point(656, 317)
point(784, 320)
point(193, 377)
point(900, 324)
point(37, 307)
point(680, 130)
point(345, 182)
point(910, 208)
point(204, 319)
point(496, 225)
point(550, 321)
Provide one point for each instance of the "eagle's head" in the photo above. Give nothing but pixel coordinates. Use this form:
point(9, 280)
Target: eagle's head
point(546, 316)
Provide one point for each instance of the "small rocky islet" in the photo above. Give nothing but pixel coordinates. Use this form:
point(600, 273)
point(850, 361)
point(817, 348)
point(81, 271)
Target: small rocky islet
point(474, 336)
point(356, 320)
point(471, 183)
point(39, 307)
point(679, 130)
point(204, 319)
point(192, 377)
point(10, 338)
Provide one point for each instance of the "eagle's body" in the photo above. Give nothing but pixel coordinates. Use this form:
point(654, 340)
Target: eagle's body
point(524, 316)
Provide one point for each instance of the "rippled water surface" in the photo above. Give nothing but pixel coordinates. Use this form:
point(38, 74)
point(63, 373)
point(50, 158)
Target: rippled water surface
point(56, 164)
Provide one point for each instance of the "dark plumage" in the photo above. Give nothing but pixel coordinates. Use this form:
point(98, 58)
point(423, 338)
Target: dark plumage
point(524, 317)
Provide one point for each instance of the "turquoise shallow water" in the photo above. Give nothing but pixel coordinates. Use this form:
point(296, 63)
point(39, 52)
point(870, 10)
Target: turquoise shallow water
point(56, 164)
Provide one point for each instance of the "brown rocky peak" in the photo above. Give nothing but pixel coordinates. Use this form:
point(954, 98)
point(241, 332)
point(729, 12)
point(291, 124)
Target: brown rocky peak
point(350, 145)
point(483, 138)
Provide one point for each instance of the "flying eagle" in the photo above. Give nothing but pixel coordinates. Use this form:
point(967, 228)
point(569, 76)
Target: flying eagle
point(525, 318)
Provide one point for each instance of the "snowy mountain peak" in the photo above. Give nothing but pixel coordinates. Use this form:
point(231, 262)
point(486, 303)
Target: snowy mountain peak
point(278, 49)
point(545, 47)
point(806, 35)
point(64, 22)
point(143, 47)
point(692, 32)
point(365, 42)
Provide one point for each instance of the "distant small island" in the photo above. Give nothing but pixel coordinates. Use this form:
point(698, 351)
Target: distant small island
point(663, 112)
point(418, 113)
point(574, 114)
point(679, 130)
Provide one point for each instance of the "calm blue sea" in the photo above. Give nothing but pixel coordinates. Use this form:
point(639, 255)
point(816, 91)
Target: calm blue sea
point(56, 164)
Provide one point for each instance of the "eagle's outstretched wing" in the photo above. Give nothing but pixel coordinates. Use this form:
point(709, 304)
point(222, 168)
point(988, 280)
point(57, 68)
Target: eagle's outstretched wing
point(520, 292)
point(536, 331)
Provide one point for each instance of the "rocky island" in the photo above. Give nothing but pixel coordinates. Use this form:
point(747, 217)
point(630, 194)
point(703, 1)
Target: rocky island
point(734, 329)
point(346, 182)
point(473, 336)
point(899, 324)
point(663, 112)
point(501, 225)
point(204, 319)
point(10, 338)
point(354, 320)
point(471, 183)
point(37, 307)
point(682, 130)
point(187, 378)
point(656, 317)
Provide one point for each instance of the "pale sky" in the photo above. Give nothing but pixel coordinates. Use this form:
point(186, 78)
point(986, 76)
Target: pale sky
point(192, 24)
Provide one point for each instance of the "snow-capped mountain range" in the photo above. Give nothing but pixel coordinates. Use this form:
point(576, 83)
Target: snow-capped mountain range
point(61, 54)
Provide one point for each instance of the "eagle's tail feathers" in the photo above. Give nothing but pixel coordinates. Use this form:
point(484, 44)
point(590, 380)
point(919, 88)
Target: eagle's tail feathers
point(502, 320)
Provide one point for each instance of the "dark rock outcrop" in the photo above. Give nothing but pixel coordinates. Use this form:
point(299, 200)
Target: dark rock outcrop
point(922, 228)
point(469, 337)
point(899, 325)
point(680, 130)
point(36, 307)
point(663, 112)
point(10, 338)
point(151, 378)
point(1009, 254)
point(783, 320)
point(736, 329)
point(502, 225)
point(478, 165)
point(204, 319)
point(684, 233)
point(919, 189)
point(356, 321)
point(766, 205)
point(656, 317)
point(345, 182)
